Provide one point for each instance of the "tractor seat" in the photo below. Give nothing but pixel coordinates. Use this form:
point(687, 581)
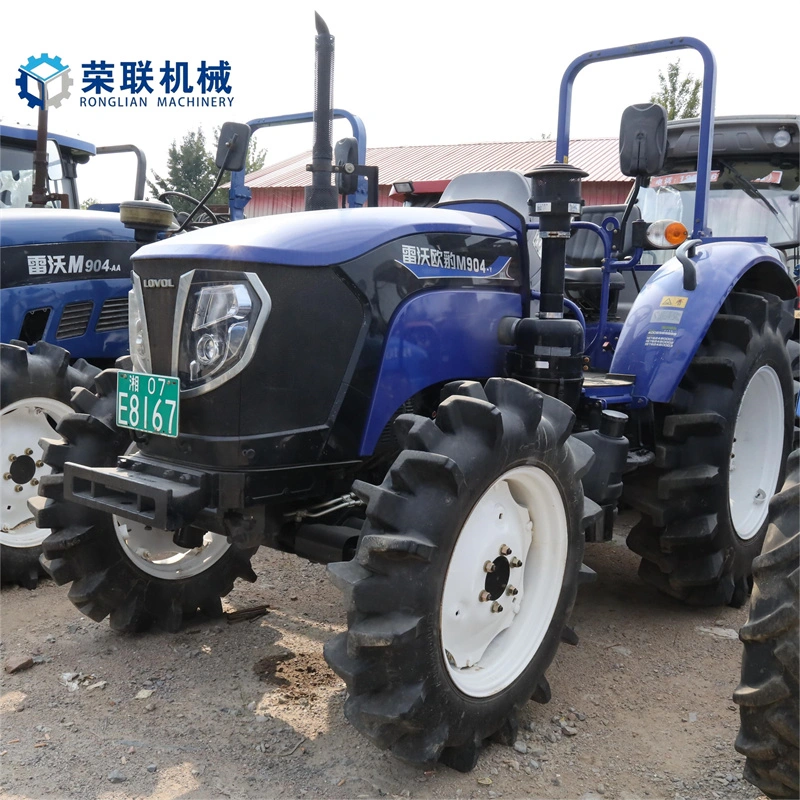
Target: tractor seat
point(504, 186)
point(509, 187)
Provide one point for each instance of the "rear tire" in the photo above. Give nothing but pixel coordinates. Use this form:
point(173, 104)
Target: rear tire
point(441, 651)
point(35, 390)
point(125, 571)
point(721, 447)
point(768, 694)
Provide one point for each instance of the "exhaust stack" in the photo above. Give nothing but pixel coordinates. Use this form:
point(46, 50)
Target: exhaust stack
point(321, 194)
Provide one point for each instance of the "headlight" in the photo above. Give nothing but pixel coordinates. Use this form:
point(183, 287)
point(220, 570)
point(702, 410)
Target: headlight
point(781, 138)
point(139, 344)
point(220, 325)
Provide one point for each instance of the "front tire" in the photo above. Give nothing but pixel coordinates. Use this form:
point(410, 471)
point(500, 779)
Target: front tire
point(465, 575)
point(721, 447)
point(119, 569)
point(35, 391)
point(768, 694)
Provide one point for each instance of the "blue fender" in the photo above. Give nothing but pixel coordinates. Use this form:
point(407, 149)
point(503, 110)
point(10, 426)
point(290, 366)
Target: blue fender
point(667, 323)
point(435, 337)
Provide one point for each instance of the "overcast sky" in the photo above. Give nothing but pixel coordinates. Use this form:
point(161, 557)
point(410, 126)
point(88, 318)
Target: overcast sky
point(416, 71)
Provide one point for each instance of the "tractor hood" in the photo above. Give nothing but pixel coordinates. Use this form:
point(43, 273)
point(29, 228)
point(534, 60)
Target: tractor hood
point(319, 238)
point(21, 227)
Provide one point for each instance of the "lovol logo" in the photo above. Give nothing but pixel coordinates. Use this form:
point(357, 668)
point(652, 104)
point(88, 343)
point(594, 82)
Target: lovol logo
point(157, 283)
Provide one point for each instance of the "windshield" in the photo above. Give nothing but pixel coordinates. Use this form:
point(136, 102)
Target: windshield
point(16, 176)
point(746, 198)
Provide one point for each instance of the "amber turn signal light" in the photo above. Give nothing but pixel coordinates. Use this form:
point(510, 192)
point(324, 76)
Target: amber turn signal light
point(665, 234)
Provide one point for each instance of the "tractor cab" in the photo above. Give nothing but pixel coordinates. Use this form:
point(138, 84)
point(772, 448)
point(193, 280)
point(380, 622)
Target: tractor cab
point(17, 150)
point(18, 145)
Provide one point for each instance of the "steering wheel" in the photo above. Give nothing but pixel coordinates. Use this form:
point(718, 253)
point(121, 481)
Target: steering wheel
point(197, 204)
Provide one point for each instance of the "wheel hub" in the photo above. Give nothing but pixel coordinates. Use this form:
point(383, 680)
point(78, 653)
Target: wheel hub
point(503, 581)
point(22, 469)
point(153, 551)
point(497, 579)
point(757, 447)
point(24, 423)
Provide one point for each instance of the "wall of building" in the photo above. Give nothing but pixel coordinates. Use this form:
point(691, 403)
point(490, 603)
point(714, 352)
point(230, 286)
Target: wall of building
point(265, 202)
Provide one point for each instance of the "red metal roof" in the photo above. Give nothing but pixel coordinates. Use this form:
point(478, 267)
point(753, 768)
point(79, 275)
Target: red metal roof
point(598, 157)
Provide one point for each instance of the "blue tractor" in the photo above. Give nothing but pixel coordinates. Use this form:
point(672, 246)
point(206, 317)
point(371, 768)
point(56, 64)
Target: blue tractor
point(382, 391)
point(64, 289)
point(64, 285)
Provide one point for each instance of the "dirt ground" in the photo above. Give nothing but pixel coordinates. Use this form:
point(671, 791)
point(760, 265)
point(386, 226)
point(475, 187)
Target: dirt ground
point(641, 708)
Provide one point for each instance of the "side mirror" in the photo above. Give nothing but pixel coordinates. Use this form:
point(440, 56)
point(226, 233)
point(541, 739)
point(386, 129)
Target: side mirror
point(346, 153)
point(55, 170)
point(234, 138)
point(642, 140)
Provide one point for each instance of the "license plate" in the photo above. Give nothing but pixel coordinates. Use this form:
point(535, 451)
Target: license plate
point(148, 403)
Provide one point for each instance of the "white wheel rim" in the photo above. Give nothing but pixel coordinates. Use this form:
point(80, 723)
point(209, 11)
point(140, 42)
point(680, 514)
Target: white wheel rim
point(153, 551)
point(23, 424)
point(486, 650)
point(755, 460)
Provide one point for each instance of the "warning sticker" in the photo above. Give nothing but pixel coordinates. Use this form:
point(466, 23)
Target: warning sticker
point(674, 301)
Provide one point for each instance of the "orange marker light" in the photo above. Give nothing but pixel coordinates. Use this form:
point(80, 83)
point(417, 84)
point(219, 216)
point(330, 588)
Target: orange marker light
point(675, 233)
point(665, 234)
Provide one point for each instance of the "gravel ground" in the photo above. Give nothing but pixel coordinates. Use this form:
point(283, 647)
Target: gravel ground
point(641, 708)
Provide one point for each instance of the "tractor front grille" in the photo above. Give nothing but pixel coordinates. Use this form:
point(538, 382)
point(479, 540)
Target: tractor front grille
point(74, 320)
point(114, 314)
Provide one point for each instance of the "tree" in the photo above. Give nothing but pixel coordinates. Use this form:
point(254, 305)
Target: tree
point(680, 96)
point(191, 170)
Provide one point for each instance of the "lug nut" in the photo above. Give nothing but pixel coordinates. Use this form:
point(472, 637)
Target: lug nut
point(515, 562)
point(34, 482)
point(496, 607)
point(7, 476)
point(18, 488)
point(40, 463)
point(512, 590)
point(484, 596)
point(489, 566)
point(28, 451)
point(505, 550)
point(12, 457)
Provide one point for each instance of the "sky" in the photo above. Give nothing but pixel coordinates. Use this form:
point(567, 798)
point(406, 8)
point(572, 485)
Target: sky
point(416, 72)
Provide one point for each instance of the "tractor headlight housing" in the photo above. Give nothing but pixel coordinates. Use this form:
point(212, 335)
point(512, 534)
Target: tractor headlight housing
point(139, 343)
point(664, 234)
point(220, 323)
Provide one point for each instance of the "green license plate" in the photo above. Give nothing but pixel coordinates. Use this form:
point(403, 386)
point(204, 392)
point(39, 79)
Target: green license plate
point(148, 403)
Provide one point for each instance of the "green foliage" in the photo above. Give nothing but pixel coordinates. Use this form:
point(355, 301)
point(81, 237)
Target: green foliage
point(679, 95)
point(191, 170)
point(90, 202)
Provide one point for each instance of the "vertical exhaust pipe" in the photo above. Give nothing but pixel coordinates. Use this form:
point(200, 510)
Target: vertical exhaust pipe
point(321, 194)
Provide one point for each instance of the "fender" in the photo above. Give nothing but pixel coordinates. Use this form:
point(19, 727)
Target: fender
point(435, 337)
point(667, 323)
